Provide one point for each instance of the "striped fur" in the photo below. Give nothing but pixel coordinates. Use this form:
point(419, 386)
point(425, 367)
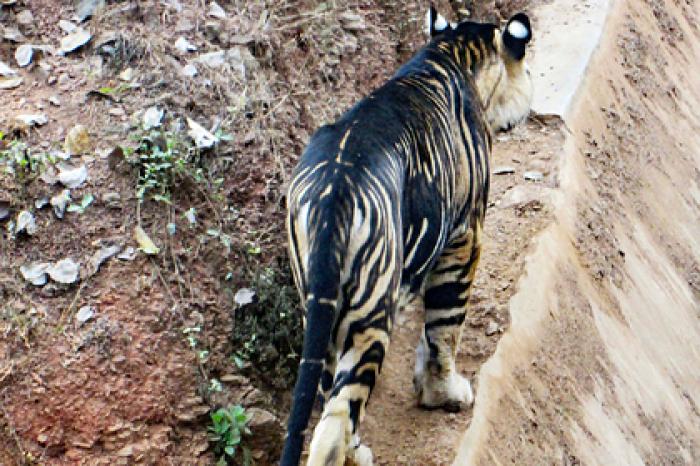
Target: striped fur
point(388, 203)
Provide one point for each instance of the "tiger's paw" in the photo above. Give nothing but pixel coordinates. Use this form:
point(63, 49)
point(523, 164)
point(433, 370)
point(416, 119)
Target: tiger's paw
point(451, 393)
point(361, 455)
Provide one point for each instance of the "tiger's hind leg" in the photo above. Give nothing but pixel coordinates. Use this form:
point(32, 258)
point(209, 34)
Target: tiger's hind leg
point(336, 438)
point(437, 381)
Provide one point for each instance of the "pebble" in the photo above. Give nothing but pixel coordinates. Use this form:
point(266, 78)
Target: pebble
point(84, 314)
point(533, 175)
point(503, 170)
point(67, 26)
point(25, 18)
point(112, 200)
point(491, 328)
point(64, 80)
point(189, 70)
point(4, 210)
point(216, 11)
point(352, 22)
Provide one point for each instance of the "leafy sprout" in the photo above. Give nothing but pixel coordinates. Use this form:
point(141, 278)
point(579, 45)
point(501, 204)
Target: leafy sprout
point(228, 425)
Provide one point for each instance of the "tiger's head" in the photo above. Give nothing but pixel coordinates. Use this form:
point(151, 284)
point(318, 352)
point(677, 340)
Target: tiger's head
point(496, 61)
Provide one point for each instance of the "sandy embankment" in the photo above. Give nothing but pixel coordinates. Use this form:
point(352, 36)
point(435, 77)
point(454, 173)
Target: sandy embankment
point(601, 364)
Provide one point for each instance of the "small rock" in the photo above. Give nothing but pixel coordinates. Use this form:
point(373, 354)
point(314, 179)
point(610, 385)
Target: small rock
point(4, 210)
point(213, 59)
point(12, 34)
point(59, 202)
point(84, 314)
point(244, 296)
point(74, 41)
point(189, 70)
point(106, 41)
point(86, 8)
point(35, 273)
point(533, 175)
point(129, 254)
point(55, 101)
point(117, 112)
point(25, 223)
point(352, 22)
point(112, 200)
point(10, 82)
point(64, 271)
point(216, 11)
point(491, 328)
point(267, 430)
point(42, 438)
point(77, 140)
point(41, 202)
point(100, 256)
point(24, 54)
point(503, 170)
point(70, 176)
point(5, 70)
point(25, 18)
point(52, 80)
point(126, 451)
point(30, 120)
point(152, 118)
point(184, 46)
point(64, 81)
point(67, 26)
point(127, 75)
point(49, 175)
point(190, 215)
point(203, 139)
point(234, 379)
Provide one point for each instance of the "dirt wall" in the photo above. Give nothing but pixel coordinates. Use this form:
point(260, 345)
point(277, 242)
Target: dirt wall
point(601, 362)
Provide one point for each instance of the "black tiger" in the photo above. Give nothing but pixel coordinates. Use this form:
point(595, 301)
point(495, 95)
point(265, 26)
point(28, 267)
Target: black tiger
point(386, 204)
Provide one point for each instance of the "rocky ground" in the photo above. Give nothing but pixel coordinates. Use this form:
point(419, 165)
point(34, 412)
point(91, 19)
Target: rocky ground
point(144, 152)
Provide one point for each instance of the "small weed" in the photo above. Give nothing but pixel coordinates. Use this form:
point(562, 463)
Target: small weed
point(160, 157)
point(226, 431)
point(21, 161)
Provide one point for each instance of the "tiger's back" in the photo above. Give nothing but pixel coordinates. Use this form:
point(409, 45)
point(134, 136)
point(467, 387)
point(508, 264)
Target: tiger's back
point(388, 202)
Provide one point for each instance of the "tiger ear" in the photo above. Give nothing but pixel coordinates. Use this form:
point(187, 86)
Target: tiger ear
point(516, 35)
point(436, 23)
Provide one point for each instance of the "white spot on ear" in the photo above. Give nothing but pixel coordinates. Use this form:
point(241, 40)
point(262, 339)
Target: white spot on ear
point(518, 30)
point(440, 23)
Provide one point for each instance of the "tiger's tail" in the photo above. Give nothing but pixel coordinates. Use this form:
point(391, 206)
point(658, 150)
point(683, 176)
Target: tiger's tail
point(321, 312)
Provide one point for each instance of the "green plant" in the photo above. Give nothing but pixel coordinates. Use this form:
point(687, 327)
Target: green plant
point(160, 158)
point(226, 430)
point(20, 160)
